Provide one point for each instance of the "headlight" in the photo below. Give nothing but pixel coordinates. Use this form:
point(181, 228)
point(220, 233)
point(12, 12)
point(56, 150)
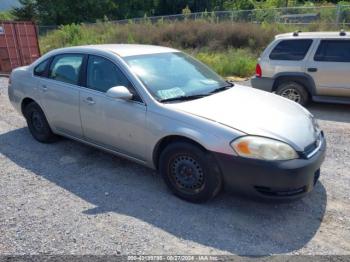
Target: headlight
point(263, 148)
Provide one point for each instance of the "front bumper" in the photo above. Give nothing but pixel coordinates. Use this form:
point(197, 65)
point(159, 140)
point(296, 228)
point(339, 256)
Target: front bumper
point(271, 179)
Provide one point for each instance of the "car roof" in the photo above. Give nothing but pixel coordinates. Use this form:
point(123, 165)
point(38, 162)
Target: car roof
point(122, 50)
point(314, 35)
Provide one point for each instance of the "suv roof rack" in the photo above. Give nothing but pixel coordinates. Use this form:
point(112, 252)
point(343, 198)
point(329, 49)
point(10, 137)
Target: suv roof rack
point(342, 32)
point(296, 33)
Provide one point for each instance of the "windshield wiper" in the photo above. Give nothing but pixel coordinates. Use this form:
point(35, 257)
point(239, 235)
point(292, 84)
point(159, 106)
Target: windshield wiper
point(183, 98)
point(223, 88)
point(191, 97)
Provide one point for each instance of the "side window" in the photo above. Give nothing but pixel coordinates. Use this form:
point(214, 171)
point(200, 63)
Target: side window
point(291, 50)
point(40, 69)
point(102, 74)
point(66, 68)
point(333, 51)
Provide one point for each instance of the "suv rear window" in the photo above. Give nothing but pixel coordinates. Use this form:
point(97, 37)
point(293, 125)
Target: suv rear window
point(291, 50)
point(333, 51)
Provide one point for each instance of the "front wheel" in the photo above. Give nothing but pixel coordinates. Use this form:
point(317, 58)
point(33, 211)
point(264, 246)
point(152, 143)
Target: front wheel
point(190, 172)
point(293, 91)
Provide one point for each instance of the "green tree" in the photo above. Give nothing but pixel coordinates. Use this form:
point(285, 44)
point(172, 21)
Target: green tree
point(239, 5)
point(5, 15)
point(58, 12)
point(26, 12)
point(68, 11)
point(53, 12)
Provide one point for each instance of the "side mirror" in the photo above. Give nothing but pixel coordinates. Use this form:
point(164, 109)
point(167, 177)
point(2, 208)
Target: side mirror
point(119, 92)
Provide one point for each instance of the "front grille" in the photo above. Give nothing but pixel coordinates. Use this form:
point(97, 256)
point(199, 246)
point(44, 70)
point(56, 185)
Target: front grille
point(274, 192)
point(310, 148)
point(280, 193)
point(313, 146)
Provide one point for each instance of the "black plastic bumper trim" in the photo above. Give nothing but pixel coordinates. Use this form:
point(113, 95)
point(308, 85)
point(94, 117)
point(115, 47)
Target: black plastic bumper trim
point(280, 179)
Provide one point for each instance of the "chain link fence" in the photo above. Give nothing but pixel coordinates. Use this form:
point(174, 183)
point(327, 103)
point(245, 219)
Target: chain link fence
point(338, 16)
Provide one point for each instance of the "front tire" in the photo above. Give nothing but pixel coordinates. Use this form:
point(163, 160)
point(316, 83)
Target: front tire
point(38, 125)
point(293, 91)
point(190, 172)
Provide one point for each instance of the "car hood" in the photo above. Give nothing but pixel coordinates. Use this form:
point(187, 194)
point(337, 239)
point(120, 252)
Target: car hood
point(255, 112)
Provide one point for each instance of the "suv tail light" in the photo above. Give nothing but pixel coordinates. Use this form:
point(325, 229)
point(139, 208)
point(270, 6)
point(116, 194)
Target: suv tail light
point(258, 71)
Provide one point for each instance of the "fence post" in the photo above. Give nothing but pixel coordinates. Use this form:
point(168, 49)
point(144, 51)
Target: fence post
point(338, 12)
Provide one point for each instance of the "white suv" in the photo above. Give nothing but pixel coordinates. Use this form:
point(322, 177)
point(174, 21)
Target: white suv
point(307, 66)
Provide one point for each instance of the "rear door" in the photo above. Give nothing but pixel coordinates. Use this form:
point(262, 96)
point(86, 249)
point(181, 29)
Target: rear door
point(59, 93)
point(330, 67)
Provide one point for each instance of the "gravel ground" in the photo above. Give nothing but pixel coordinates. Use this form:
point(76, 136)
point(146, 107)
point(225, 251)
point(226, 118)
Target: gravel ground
point(68, 198)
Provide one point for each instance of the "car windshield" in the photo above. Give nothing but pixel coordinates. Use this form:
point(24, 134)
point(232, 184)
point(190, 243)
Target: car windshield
point(175, 76)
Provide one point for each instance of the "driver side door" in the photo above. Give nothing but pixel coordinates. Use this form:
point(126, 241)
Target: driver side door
point(114, 124)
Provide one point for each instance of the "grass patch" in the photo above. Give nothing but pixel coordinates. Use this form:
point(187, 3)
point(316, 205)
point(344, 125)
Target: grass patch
point(183, 35)
point(229, 48)
point(234, 62)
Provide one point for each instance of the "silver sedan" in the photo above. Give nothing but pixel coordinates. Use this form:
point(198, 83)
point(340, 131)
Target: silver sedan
point(162, 108)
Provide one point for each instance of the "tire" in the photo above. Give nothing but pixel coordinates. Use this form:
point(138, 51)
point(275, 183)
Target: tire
point(38, 125)
point(293, 91)
point(190, 172)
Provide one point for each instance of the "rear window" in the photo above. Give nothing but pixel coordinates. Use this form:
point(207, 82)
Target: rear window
point(333, 51)
point(292, 50)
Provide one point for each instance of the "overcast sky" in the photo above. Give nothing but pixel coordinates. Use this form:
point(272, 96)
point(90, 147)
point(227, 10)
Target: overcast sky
point(7, 4)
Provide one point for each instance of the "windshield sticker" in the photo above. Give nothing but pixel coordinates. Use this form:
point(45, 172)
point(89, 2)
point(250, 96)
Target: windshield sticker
point(170, 93)
point(208, 81)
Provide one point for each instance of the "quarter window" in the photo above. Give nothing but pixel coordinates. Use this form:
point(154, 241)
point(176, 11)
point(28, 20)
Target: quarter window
point(66, 68)
point(333, 51)
point(40, 69)
point(102, 75)
point(292, 50)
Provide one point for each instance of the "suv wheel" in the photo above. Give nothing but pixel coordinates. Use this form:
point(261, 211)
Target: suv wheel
point(293, 91)
point(37, 124)
point(190, 172)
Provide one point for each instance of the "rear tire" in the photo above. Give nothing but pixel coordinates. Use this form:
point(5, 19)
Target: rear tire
point(293, 91)
point(190, 172)
point(38, 125)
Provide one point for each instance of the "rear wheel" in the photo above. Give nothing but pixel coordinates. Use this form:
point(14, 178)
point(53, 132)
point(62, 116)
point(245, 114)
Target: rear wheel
point(293, 91)
point(38, 125)
point(190, 172)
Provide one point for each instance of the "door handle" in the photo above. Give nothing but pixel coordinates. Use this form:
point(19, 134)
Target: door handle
point(44, 88)
point(89, 101)
point(312, 69)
